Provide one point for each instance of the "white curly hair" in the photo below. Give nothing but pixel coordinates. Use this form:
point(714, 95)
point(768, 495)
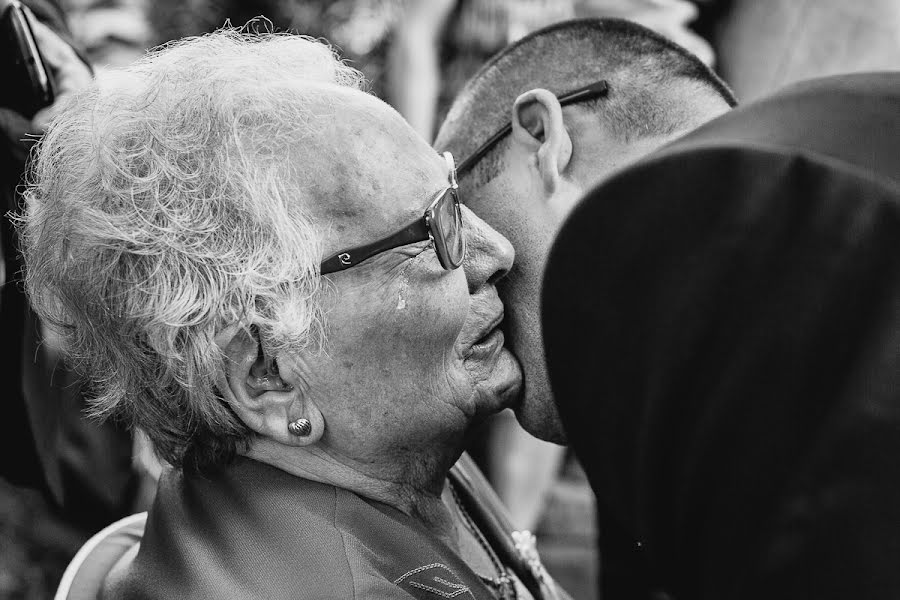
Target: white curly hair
point(163, 206)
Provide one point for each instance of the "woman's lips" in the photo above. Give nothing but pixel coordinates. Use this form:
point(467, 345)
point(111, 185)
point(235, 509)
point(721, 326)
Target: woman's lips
point(488, 345)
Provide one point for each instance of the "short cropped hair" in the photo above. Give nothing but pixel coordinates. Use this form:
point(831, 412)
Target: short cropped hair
point(642, 69)
point(163, 207)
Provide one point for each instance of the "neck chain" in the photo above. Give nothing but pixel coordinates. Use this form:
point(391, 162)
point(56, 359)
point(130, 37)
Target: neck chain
point(503, 586)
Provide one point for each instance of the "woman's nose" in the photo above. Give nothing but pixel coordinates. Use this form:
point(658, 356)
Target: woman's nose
point(489, 255)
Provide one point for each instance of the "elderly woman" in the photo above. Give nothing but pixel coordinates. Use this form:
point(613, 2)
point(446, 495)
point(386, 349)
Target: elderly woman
point(258, 264)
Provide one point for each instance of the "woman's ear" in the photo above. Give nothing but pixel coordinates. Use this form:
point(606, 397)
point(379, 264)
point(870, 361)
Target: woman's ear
point(264, 399)
point(537, 125)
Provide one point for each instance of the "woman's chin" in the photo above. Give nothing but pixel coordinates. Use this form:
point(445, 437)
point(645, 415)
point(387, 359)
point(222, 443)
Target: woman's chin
point(502, 385)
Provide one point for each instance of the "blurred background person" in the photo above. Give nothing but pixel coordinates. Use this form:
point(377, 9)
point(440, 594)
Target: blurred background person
point(439, 44)
point(360, 29)
point(112, 33)
point(764, 45)
point(675, 20)
point(62, 475)
point(418, 53)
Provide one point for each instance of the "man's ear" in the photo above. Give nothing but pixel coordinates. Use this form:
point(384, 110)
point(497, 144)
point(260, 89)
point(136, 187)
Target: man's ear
point(537, 125)
point(253, 385)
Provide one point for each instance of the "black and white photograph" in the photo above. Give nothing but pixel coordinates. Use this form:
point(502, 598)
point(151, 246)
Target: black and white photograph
point(468, 299)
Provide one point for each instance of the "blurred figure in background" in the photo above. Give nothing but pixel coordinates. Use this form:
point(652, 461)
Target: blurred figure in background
point(764, 45)
point(62, 475)
point(435, 45)
point(360, 29)
point(439, 44)
point(112, 33)
point(673, 19)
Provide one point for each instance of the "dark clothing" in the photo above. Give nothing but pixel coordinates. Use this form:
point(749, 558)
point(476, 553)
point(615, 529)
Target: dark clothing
point(722, 325)
point(45, 441)
point(253, 531)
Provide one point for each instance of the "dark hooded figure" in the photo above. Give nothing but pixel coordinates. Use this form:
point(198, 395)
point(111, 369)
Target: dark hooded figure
point(722, 324)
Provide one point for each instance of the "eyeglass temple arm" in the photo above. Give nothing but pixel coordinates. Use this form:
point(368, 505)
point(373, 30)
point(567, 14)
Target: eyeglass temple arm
point(588, 92)
point(473, 158)
point(416, 232)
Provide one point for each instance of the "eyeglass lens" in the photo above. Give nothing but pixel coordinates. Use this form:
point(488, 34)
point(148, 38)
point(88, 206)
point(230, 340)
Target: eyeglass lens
point(448, 225)
point(455, 238)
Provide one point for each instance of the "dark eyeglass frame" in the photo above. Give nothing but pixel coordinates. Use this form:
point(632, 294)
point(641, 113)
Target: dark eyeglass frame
point(593, 91)
point(429, 226)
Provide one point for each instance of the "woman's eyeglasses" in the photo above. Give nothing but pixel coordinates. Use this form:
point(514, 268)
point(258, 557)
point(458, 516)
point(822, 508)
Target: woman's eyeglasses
point(442, 223)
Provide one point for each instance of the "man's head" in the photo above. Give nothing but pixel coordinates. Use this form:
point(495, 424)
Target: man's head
point(527, 183)
point(177, 221)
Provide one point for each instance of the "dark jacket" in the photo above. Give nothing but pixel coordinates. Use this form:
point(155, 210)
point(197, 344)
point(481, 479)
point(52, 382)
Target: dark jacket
point(722, 325)
point(45, 441)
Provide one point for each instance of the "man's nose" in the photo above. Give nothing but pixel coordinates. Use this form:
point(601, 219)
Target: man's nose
point(489, 255)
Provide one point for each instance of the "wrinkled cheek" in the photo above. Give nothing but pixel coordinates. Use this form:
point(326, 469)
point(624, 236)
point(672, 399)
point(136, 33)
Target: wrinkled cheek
point(459, 379)
point(417, 336)
point(394, 349)
point(436, 331)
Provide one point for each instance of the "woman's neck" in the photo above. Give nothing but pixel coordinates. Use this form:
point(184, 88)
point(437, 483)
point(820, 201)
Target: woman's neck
point(414, 486)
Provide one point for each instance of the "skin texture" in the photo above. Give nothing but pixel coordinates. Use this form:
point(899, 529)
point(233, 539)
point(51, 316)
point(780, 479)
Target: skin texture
point(547, 168)
point(402, 376)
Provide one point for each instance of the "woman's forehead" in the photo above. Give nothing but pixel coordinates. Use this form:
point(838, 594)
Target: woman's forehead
point(372, 173)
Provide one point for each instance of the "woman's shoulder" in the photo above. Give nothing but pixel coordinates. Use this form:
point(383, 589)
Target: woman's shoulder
point(242, 534)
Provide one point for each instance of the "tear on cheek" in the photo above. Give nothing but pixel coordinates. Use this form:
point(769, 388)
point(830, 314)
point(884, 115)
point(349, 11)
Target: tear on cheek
point(403, 288)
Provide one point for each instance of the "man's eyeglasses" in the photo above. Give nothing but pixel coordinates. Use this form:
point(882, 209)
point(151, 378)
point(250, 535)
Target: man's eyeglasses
point(583, 94)
point(442, 223)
